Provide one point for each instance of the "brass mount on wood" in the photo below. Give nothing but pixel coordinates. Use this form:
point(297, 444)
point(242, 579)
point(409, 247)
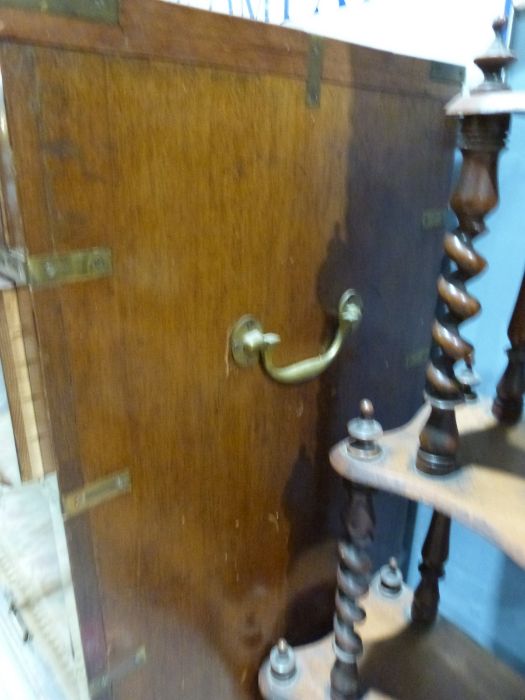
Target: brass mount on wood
point(249, 344)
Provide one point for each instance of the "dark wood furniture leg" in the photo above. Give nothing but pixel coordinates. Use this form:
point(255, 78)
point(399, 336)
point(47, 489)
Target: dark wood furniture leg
point(508, 404)
point(483, 136)
point(352, 583)
point(432, 568)
point(476, 194)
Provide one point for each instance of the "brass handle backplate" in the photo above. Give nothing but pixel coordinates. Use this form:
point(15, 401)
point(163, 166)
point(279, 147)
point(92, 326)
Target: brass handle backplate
point(250, 344)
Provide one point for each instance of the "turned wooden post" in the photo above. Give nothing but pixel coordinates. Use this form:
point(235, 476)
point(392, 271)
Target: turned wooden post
point(434, 554)
point(508, 404)
point(354, 568)
point(352, 583)
point(484, 129)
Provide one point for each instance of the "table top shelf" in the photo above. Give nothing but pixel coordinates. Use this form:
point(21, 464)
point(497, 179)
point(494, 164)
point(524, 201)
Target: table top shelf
point(487, 493)
point(403, 661)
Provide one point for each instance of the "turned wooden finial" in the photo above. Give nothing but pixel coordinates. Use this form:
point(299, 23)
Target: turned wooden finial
point(495, 60)
point(364, 432)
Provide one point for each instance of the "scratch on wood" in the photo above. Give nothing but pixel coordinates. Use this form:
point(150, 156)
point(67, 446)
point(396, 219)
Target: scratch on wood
point(227, 353)
point(274, 519)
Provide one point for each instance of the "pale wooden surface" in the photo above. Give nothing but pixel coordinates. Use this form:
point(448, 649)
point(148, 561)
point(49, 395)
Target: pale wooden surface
point(9, 473)
point(16, 377)
point(403, 661)
point(487, 494)
point(35, 576)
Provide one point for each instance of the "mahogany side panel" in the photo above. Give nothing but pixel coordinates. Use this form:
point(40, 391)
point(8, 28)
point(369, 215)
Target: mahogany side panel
point(168, 166)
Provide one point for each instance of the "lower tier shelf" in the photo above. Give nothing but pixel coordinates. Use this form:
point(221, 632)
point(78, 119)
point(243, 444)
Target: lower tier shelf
point(402, 661)
point(486, 493)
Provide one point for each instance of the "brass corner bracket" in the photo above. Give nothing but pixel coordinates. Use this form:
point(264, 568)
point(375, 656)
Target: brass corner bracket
point(314, 71)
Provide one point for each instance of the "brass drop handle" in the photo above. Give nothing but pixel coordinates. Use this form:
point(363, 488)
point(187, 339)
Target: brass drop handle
point(249, 343)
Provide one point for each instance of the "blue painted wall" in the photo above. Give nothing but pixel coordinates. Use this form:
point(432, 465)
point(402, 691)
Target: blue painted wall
point(484, 592)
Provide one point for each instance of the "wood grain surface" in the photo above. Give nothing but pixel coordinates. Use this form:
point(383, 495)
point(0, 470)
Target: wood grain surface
point(219, 194)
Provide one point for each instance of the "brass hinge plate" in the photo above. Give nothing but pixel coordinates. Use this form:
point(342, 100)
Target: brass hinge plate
point(315, 71)
point(117, 673)
point(57, 268)
point(416, 358)
point(433, 219)
point(105, 11)
point(100, 491)
point(446, 73)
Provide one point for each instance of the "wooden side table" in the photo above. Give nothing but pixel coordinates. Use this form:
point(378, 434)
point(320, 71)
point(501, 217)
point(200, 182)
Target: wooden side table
point(470, 465)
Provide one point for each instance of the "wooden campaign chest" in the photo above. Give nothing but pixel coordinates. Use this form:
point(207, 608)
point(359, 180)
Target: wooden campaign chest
point(161, 177)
